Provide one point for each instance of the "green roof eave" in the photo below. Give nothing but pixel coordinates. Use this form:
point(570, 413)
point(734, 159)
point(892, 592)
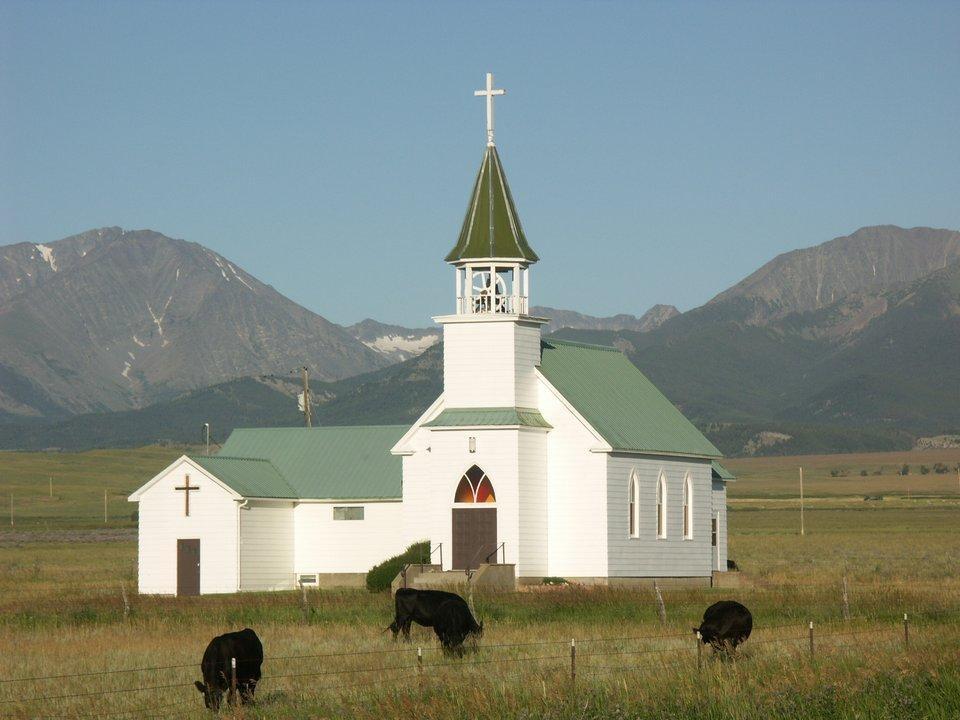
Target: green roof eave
point(619, 401)
point(721, 473)
point(491, 227)
point(480, 417)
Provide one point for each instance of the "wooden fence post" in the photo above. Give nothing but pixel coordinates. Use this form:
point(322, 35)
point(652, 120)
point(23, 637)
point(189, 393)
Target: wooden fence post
point(811, 641)
point(661, 608)
point(846, 600)
point(699, 651)
point(906, 632)
point(304, 604)
point(126, 601)
point(573, 662)
point(233, 681)
point(420, 669)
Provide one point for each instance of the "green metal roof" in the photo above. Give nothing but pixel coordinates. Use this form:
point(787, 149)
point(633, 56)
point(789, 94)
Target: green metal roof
point(619, 401)
point(349, 463)
point(250, 477)
point(468, 417)
point(491, 227)
point(721, 473)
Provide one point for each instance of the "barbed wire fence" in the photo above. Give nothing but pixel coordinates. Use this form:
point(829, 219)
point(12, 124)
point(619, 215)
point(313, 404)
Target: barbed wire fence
point(566, 660)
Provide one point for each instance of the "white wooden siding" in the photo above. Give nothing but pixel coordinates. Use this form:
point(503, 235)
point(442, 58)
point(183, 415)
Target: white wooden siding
point(213, 520)
point(576, 494)
point(533, 557)
point(266, 546)
point(325, 545)
point(490, 363)
point(648, 555)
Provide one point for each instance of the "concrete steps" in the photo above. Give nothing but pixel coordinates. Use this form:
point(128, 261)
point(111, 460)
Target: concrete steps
point(432, 577)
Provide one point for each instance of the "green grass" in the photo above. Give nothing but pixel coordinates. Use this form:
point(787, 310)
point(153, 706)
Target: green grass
point(79, 481)
point(62, 610)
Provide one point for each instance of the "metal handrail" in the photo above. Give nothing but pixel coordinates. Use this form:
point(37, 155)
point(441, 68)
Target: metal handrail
point(502, 546)
point(430, 556)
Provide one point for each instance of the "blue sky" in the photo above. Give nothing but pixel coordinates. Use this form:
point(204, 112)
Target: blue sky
point(657, 152)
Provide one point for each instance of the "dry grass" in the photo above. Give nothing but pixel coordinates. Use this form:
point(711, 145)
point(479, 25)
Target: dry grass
point(61, 612)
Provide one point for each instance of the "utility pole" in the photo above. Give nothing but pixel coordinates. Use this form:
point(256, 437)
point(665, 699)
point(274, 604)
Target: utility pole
point(801, 501)
point(206, 434)
point(51, 488)
point(308, 419)
point(104, 507)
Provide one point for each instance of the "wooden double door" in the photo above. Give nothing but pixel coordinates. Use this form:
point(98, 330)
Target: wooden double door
point(188, 567)
point(474, 536)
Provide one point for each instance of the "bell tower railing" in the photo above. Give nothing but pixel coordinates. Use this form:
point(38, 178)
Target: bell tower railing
point(492, 304)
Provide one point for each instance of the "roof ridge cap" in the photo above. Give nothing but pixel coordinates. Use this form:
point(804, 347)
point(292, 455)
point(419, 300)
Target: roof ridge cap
point(577, 343)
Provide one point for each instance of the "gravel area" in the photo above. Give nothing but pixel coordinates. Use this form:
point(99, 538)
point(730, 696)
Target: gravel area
point(16, 538)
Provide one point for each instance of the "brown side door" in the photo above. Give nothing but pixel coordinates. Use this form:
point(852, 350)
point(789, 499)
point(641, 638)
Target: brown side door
point(188, 567)
point(474, 536)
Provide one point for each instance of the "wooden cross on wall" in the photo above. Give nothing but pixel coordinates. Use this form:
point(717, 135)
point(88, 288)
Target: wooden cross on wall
point(187, 487)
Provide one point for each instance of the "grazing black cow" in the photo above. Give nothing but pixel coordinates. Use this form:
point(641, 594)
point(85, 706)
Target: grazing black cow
point(419, 606)
point(725, 625)
point(453, 623)
point(245, 646)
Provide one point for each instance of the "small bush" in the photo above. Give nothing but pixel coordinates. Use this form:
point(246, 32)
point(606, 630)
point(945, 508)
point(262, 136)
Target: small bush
point(554, 581)
point(834, 473)
point(924, 470)
point(380, 576)
point(863, 473)
point(940, 468)
point(905, 470)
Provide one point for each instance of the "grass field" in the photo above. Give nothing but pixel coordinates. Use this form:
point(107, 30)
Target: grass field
point(62, 613)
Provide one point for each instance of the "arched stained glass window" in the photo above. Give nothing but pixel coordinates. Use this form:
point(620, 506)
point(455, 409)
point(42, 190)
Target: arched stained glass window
point(475, 487)
point(662, 506)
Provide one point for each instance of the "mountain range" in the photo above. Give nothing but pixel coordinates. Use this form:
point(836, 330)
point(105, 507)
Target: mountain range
point(850, 344)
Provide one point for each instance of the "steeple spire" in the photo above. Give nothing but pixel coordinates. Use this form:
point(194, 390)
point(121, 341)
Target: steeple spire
point(489, 93)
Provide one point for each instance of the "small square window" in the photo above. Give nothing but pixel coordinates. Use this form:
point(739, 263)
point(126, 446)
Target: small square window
point(472, 444)
point(348, 513)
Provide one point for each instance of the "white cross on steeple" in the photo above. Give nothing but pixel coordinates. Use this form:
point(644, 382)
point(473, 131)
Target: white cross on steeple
point(489, 93)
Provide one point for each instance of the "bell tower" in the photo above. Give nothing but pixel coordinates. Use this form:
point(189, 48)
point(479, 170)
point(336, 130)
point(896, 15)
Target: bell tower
point(491, 342)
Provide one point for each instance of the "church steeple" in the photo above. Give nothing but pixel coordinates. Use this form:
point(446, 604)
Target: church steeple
point(492, 255)
point(491, 227)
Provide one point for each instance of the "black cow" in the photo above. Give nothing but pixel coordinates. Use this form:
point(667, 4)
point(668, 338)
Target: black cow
point(246, 648)
point(453, 623)
point(419, 606)
point(725, 625)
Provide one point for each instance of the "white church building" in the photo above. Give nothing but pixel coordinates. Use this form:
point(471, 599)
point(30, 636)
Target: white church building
point(553, 458)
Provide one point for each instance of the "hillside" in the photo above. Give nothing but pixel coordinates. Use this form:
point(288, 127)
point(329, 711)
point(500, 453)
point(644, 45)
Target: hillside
point(397, 394)
point(651, 319)
point(394, 342)
point(812, 278)
point(113, 320)
point(884, 360)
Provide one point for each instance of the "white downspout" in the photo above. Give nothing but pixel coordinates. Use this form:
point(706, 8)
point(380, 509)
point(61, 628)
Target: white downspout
point(241, 504)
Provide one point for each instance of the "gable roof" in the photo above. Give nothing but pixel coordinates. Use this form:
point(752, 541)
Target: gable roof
point(347, 463)
point(470, 417)
point(491, 227)
point(618, 400)
point(250, 477)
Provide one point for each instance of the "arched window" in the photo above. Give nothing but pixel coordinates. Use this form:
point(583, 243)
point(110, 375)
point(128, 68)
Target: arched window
point(634, 503)
point(662, 506)
point(687, 507)
point(474, 487)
